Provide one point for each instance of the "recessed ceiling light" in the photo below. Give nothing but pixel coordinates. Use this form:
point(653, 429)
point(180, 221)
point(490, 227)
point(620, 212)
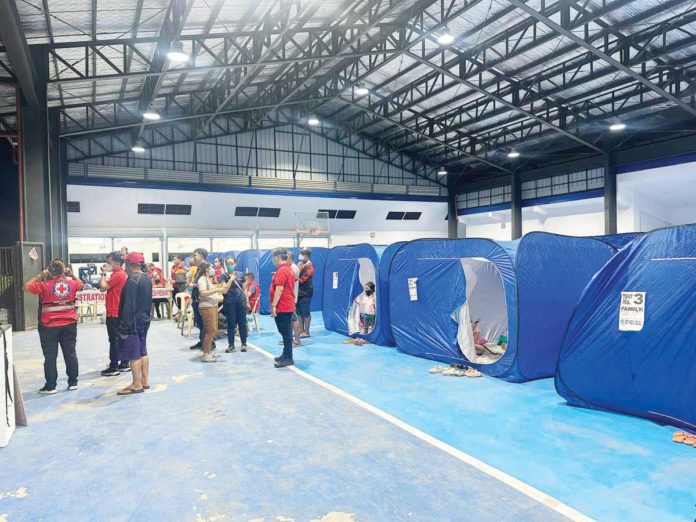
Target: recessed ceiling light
point(313, 121)
point(445, 38)
point(361, 90)
point(151, 115)
point(513, 154)
point(138, 148)
point(442, 171)
point(176, 54)
point(616, 127)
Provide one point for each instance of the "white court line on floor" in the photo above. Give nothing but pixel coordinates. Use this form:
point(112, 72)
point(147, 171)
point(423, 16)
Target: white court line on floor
point(503, 477)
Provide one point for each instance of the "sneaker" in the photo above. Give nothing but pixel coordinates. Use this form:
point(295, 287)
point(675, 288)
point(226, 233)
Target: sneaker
point(230, 349)
point(72, 387)
point(197, 346)
point(110, 372)
point(207, 358)
point(48, 391)
point(283, 363)
point(244, 347)
point(124, 367)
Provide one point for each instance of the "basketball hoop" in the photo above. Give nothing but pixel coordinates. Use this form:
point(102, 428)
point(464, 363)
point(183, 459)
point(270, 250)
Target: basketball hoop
point(314, 223)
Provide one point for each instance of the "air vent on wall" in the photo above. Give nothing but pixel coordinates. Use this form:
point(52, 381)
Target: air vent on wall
point(178, 210)
point(337, 214)
point(73, 206)
point(150, 208)
point(257, 212)
point(403, 216)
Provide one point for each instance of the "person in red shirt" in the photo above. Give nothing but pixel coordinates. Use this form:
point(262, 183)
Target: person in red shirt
point(56, 289)
point(253, 292)
point(282, 293)
point(113, 288)
point(219, 269)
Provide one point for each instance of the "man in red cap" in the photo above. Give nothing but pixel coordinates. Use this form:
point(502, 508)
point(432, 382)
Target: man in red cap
point(113, 288)
point(56, 289)
point(134, 315)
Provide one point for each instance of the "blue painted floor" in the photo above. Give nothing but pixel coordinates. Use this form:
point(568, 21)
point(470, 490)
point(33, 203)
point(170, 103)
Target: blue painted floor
point(241, 441)
point(606, 465)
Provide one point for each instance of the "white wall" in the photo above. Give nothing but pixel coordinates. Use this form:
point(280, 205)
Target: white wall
point(490, 225)
point(655, 198)
point(113, 212)
point(583, 217)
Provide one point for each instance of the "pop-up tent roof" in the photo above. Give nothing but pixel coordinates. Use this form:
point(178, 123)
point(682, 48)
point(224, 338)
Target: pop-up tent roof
point(347, 270)
point(630, 343)
point(520, 293)
point(248, 261)
point(267, 268)
point(618, 241)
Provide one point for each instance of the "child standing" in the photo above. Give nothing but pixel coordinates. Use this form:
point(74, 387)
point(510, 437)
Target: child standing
point(367, 306)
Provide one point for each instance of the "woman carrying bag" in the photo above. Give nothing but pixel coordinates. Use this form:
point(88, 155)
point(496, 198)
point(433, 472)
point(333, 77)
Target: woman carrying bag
point(235, 304)
point(210, 298)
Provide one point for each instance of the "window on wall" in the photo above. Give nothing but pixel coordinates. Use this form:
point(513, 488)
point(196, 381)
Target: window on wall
point(485, 197)
point(178, 210)
point(257, 212)
point(150, 208)
point(403, 216)
point(72, 206)
point(580, 181)
point(337, 214)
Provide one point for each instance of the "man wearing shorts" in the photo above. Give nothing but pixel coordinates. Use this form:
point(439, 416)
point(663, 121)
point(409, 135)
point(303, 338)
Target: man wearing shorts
point(134, 320)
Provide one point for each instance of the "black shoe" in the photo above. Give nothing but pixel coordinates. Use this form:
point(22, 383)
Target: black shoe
point(284, 362)
point(213, 346)
point(124, 367)
point(48, 391)
point(244, 347)
point(72, 387)
point(197, 346)
point(230, 349)
point(110, 372)
point(276, 359)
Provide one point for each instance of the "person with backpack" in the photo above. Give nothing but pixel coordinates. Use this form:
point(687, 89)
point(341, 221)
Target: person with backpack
point(57, 291)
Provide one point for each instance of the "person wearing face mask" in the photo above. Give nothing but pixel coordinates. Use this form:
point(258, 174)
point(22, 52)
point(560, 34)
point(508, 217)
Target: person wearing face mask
point(367, 307)
point(219, 269)
point(234, 304)
point(305, 291)
point(113, 286)
point(209, 297)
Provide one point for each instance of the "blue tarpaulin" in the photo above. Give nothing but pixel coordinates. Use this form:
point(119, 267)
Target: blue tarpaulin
point(248, 261)
point(618, 241)
point(267, 268)
point(630, 343)
point(345, 267)
point(522, 292)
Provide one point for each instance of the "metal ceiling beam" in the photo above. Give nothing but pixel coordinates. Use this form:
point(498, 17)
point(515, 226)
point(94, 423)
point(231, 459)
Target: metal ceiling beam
point(608, 59)
point(12, 35)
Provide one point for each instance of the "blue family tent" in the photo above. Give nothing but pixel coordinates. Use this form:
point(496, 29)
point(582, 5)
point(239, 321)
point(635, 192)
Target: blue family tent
point(347, 270)
point(249, 261)
point(500, 306)
point(618, 241)
point(630, 343)
point(267, 268)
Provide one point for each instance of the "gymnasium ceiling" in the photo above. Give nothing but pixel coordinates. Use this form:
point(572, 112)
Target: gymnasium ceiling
point(542, 78)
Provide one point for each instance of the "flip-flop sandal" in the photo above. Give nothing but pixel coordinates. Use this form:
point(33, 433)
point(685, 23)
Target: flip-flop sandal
point(303, 336)
point(679, 437)
point(129, 391)
point(690, 440)
point(146, 387)
point(471, 372)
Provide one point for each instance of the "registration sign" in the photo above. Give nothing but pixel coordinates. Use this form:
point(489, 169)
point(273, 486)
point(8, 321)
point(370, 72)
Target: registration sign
point(632, 311)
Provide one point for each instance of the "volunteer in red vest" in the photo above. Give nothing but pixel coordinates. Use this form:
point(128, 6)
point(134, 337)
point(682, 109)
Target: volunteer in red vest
point(56, 289)
point(283, 304)
point(253, 292)
point(113, 288)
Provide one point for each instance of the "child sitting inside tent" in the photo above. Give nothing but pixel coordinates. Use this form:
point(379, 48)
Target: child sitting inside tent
point(367, 308)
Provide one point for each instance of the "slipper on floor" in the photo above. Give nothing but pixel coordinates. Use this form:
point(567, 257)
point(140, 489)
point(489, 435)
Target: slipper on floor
point(146, 387)
point(471, 372)
point(304, 336)
point(439, 369)
point(129, 391)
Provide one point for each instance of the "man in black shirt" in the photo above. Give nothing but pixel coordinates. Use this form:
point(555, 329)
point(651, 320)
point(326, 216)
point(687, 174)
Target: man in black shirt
point(134, 315)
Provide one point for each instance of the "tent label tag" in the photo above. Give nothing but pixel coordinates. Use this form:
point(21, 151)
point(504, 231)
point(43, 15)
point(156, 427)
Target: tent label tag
point(412, 288)
point(632, 311)
point(335, 280)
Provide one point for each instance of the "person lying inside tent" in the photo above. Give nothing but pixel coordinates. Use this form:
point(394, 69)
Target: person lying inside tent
point(367, 308)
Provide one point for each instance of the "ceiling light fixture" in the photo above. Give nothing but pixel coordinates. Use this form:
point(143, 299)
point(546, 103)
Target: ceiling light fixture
point(361, 90)
point(138, 148)
point(616, 127)
point(176, 54)
point(313, 121)
point(442, 171)
point(151, 115)
point(513, 154)
point(445, 38)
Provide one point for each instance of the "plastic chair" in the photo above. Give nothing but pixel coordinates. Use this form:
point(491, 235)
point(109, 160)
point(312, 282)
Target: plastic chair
point(185, 312)
point(253, 317)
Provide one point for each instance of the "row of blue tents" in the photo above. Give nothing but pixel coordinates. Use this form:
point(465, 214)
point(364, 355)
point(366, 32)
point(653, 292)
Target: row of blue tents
point(548, 306)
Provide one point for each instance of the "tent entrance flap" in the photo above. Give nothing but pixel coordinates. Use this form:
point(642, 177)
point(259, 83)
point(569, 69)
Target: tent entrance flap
point(358, 323)
point(482, 319)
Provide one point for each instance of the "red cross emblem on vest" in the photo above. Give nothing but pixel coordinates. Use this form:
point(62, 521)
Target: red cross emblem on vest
point(61, 289)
